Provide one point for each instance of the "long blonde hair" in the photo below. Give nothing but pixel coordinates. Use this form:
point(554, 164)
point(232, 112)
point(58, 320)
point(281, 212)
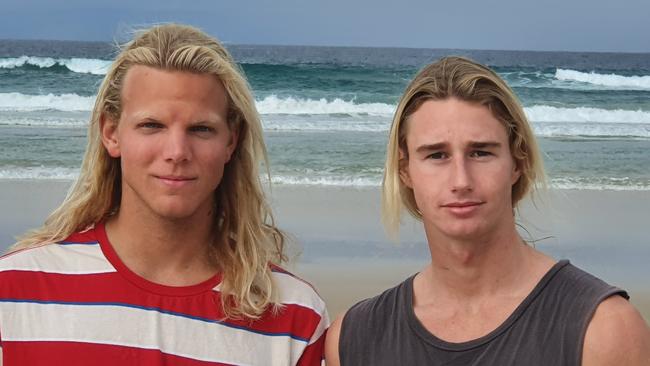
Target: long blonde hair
point(248, 241)
point(469, 81)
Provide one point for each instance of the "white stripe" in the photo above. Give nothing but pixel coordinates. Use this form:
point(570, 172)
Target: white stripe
point(298, 292)
point(294, 291)
point(63, 259)
point(132, 327)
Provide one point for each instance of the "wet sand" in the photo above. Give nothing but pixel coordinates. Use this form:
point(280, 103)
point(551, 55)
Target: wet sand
point(339, 244)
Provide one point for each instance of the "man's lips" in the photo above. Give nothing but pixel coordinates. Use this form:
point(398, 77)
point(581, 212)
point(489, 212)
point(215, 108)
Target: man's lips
point(463, 208)
point(462, 204)
point(175, 181)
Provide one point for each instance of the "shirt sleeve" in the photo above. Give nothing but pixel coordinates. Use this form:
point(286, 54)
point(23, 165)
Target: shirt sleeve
point(314, 353)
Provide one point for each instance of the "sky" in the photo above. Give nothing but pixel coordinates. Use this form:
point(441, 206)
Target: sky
point(552, 25)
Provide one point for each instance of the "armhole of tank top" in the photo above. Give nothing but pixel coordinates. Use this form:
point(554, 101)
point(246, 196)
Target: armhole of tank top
point(347, 325)
point(611, 291)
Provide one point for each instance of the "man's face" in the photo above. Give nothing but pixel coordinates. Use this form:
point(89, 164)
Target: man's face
point(173, 140)
point(460, 169)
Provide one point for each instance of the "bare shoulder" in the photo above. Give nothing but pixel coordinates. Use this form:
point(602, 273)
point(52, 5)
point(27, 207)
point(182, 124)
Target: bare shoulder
point(332, 342)
point(616, 335)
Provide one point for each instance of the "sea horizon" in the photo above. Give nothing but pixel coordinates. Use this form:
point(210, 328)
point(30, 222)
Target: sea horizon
point(238, 44)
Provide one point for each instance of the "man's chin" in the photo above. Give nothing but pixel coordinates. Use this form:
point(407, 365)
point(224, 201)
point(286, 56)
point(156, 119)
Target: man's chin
point(176, 213)
point(465, 232)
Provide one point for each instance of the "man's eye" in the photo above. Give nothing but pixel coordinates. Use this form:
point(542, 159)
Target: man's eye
point(480, 153)
point(151, 125)
point(201, 129)
point(437, 155)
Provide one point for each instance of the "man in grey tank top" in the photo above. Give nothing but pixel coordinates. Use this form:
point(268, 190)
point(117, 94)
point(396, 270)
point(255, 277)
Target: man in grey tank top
point(461, 156)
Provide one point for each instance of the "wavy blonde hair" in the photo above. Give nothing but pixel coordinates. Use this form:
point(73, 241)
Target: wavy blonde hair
point(466, 80)
point(248, 241)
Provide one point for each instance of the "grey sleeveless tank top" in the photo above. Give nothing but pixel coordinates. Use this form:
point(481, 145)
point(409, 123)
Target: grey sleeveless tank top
point(547, 328)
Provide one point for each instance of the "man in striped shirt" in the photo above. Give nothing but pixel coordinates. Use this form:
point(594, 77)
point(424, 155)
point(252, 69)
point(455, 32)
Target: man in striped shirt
point(165, 250)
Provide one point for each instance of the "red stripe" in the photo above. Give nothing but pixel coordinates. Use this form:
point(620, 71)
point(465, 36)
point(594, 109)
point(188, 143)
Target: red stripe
point(314, 353)
point(296, 320)
point(299, 321)
point(83, 354)
point(87, 236)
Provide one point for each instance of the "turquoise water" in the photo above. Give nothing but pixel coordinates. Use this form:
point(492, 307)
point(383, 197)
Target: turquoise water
point(326, 111)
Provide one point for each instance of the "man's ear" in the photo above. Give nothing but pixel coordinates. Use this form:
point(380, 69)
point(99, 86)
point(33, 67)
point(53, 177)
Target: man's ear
point(516, 173)
point(232, 144)
point(110, 140)
point(404, 174)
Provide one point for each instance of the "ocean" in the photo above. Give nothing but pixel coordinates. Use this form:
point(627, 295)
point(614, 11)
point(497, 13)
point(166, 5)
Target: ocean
point(326, 111)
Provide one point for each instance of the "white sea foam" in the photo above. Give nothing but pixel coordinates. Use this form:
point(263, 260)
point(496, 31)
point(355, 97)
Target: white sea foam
point(61, 102)
point(51, 173)
point(544, 113)
point(610, 184)
point(41, 173)
point(603, 184)
point(627, 130)
point(592, 122)
point(87, 66)
point(327, 181)
point(270, 105)
point(321, 123)
point(41, 121)
point(274, 105)
point(79, 65)
point(14, 62)
point(607, 80)
point(294, 114)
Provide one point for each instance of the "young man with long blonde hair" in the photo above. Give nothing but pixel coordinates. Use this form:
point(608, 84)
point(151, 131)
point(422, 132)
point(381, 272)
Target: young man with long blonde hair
point(461, 156)
point(164, 250)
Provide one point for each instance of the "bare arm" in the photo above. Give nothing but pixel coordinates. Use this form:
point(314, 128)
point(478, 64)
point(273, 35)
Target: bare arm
point(332, 342)
point(616, 335)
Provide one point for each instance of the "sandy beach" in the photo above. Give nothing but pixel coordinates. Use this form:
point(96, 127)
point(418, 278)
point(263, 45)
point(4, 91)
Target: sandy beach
point(338, 243)
point(348, 257)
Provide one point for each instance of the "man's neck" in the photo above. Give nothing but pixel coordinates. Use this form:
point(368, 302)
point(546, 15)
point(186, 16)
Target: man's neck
point(168, 252)
point(472, 286)
point(472, 269)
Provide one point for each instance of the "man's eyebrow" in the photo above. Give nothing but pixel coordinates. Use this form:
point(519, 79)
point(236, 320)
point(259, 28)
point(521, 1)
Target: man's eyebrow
point(144, 115)
point(484, 144)
point(430, 147)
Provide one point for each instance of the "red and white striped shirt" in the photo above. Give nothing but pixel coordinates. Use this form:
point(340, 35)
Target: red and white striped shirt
point(75, 303)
